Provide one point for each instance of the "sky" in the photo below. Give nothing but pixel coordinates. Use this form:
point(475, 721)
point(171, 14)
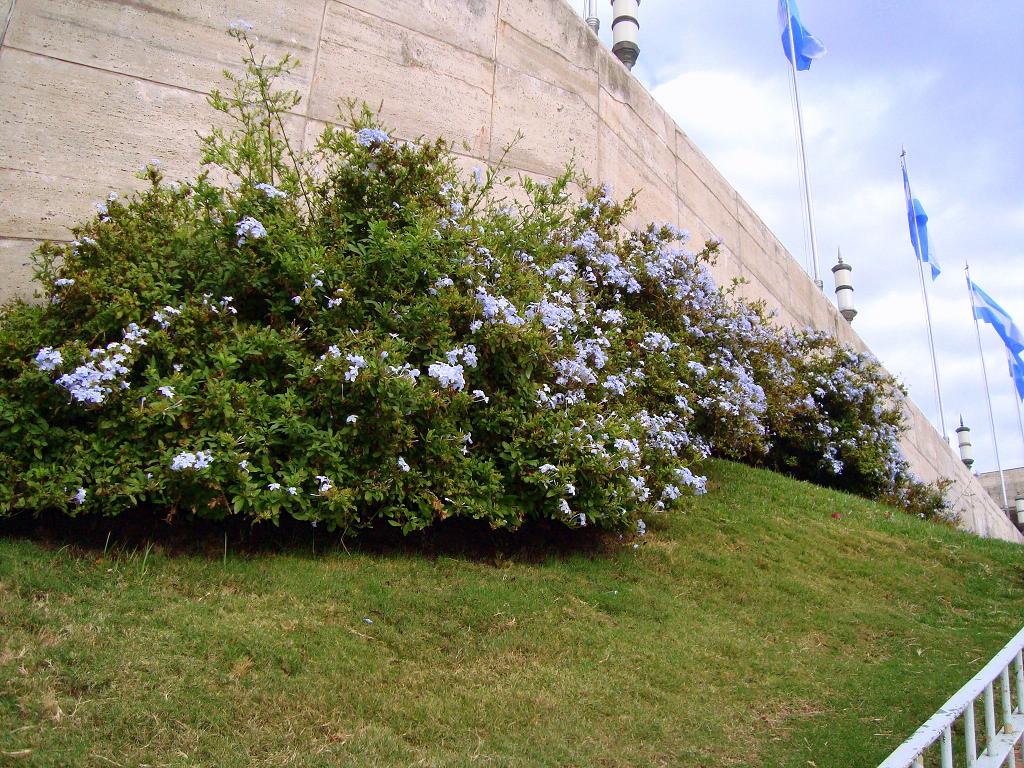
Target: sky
point(943, 79)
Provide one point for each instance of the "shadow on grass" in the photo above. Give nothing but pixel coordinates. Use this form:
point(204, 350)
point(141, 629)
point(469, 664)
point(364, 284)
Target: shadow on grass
point(535, 541)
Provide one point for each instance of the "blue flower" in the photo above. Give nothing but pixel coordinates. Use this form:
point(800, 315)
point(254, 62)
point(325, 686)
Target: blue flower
point(48, 359)
point(449, 376)
point(271, 191)
point(368, 137)
point(194, 461)
point(249, 229)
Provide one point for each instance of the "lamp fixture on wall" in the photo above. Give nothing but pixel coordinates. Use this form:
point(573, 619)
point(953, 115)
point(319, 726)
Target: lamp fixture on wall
point(963, 436)
point(626, 31)
point(844, 289)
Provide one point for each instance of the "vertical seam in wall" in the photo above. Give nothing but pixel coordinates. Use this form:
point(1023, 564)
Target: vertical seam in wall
point(494, 83)
point(7, 23)
point(675, 174)
point(312, 75)
point(599, 171)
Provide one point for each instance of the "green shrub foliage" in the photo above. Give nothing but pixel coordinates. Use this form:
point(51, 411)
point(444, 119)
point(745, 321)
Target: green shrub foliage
point(357, 334)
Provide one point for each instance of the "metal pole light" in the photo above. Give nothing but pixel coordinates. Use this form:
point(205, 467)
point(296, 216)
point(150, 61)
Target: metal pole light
point(844, 289)
point(1019, 501)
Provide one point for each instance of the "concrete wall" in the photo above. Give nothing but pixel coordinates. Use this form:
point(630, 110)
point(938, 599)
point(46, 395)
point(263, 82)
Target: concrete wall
point(993, 485)
point(92, 89)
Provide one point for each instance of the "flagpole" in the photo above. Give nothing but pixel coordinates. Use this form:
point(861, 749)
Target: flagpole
point(1016, 394)
point(803, 151)
point(924, 295)
point(988, 395)
point(1020, 421)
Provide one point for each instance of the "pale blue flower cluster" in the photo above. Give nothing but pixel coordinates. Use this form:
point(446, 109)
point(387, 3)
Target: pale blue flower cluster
point(407, 371)
point(196, 462)
point(466, 354)
point(103, 373)
point(356, 364)
point(163, 316)
point(448, 376)
point(498, 309)
point(249, 229)
point(272, 192)
point(48, 359)
point(370, 137)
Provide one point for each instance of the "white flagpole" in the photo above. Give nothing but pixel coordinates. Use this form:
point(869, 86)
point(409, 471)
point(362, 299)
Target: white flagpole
point(988, 396)
point(1016, 394)
point(924, 296)
point(1020, 421)
point(803, 151)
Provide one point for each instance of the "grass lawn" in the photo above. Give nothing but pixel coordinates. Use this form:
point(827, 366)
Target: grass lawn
point(755, 630)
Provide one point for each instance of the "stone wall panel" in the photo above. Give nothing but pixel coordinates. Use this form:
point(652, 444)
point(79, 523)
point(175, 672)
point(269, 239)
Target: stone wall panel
point(656, 149)
point(554, 27)
point(426, 87)
point(528, 109)
point(713, 212)
point(469, 25)
point(656, 200)
point(59, 165)
point(16, 267)
point(179, 42)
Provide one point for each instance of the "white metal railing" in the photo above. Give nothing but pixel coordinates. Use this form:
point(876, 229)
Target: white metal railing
point(1000, 737)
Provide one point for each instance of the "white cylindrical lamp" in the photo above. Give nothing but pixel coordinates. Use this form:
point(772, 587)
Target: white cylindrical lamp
point(844, 289)
point(963, 436)
point(626, 31)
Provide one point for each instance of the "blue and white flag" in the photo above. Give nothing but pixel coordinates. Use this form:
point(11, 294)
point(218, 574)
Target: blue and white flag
point(1016, 372)
point(808, 47)
point(918, 221)
point(985, 308)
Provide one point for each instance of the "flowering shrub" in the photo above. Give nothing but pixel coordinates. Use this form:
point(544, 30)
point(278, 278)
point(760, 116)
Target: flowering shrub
point(356, 334)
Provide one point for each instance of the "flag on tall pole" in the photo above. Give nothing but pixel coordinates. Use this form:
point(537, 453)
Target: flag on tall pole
point(918, 221)
point(985, 308)
point(796, 37)
point(1017, 375)
point(985, 312)
point(801, 48)
point(919, 239)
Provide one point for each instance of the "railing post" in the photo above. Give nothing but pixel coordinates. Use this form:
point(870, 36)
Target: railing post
point(970, 739)
point(990, 718)
point(1007, 702)
point(919, 761)
point(1020, 682)
point(1004, 686)
point(947, 748)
